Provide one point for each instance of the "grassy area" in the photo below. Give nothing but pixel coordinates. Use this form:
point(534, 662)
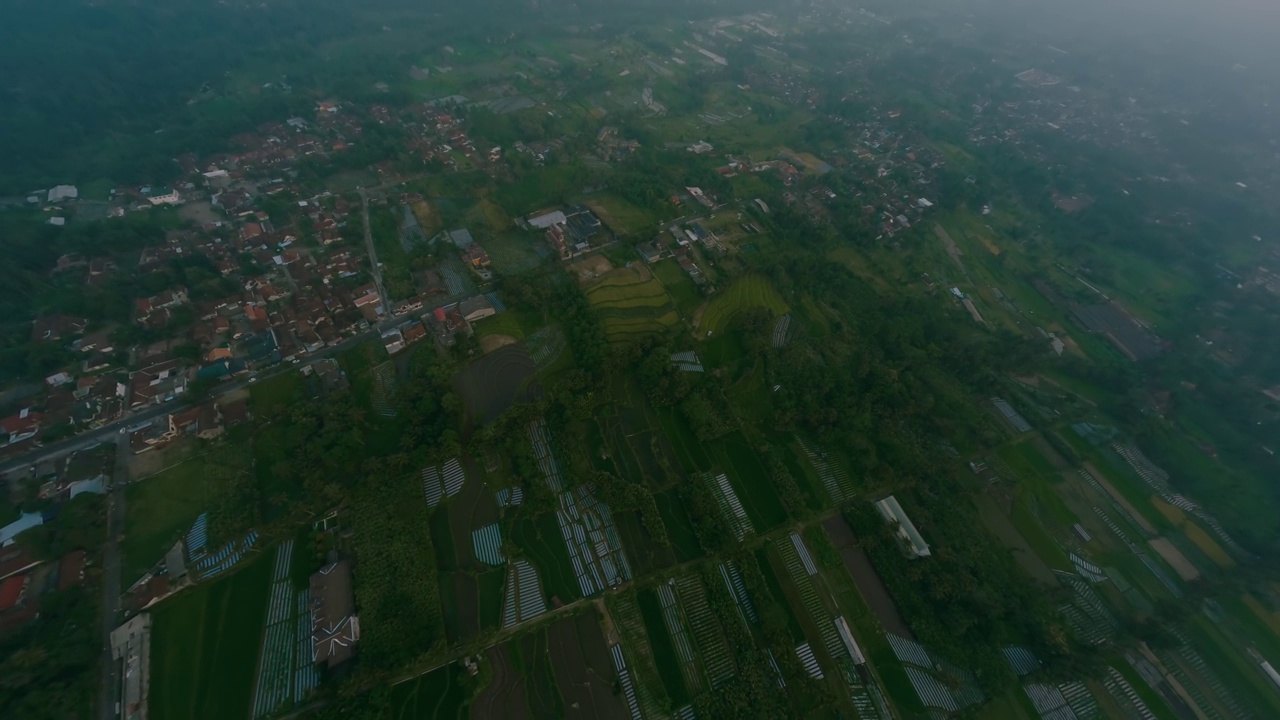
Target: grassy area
point(204, 647)
point(1038, 538)
point(278, 392)
point(679, 285)
point(159, 510)
point(517, 323)
point(622, 217)
point(745, 293)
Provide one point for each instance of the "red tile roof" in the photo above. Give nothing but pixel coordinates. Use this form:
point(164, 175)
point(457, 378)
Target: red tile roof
point(11, 590)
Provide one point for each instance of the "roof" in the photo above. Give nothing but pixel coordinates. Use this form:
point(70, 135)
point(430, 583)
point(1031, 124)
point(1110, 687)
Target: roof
point(11, 591)
point(545, 221)
point(22, 524)
point(911, 538)
point(334, 628)
point(461, 237)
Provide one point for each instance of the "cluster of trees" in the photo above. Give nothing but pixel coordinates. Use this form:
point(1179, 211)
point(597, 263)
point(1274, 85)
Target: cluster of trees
point(49, 667)
point(622, 496)
point(970, 597)
point(395, 573)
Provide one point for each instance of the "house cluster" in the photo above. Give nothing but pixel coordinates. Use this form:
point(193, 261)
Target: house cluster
point(570, 232)
point(611, 147)
point(24, 581)
point(207, 422)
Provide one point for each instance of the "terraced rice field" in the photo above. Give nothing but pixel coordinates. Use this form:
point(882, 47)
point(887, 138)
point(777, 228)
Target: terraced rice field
point(751, 291)
point(632, 304)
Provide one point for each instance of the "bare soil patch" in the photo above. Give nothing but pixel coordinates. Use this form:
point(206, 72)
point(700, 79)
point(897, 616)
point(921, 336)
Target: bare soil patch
point(585, 685)
point(199, 212)
point(1146, 526)
point(1172, 555)
point(864, 575)
point(590, 269)
point(489, 343)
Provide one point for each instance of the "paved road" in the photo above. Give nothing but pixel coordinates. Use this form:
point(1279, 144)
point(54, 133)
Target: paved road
point(110, 431)
point(374, 265)
point(111, 576)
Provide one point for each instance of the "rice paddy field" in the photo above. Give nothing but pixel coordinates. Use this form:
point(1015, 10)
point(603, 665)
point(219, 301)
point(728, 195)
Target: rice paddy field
point(632, 304)
point(745, 293)
point(205, 644)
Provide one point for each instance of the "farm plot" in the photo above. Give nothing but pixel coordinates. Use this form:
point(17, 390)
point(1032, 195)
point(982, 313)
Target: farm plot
point(730, 506)
point(545, 346)
point(760, 500)
point(532, 657)
point(620, 216)
point(583, 669)
point(442, 481)
point(286, 671)
point(835, 481)
point(460, 604)
point(383, 395)
point(684, 292)
point(505, 696)
point(523, 594)
point(638, 667)
point(441, 694)
point(865, 696)
point(586, 524)
point(705, 629)
point(204, 644)
point(751, 291)
point(493, 383)
point(632, 304)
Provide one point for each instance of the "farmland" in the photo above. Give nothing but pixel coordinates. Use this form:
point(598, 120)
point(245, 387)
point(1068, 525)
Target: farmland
point(161, 509)
point(657, 483)
point(205, 647)
point(632, 304)
point(744, 294)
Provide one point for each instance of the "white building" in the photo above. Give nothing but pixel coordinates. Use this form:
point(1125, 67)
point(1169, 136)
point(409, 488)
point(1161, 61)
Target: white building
point(912, 542)
point(63, 192)
point(162, 196)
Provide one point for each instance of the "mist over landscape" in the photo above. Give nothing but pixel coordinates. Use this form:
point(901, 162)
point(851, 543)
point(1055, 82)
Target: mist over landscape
point(717, 359)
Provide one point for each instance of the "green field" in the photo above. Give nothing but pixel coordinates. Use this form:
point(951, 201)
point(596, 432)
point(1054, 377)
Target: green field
point(679, 285)
point(159, 510)
point(632, 305)
point(278, 392)
point(664, 652)
point(441, 694)
point(751, 480)
point(748, 292)
point(622, 217)
point(205, 644)
point(516, 323)
point(540, 541)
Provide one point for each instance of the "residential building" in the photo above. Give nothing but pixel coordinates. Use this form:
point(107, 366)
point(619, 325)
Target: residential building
point(912, 543)
point(335, 628)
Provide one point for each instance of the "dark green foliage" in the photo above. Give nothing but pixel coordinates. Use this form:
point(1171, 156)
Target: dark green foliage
point(50, 667)
point(395, 573)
